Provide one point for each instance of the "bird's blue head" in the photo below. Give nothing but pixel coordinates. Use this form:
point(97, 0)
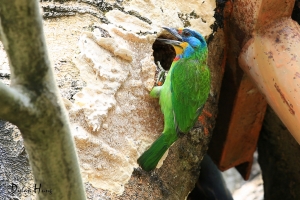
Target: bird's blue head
point(192, 37)
point(188, 41)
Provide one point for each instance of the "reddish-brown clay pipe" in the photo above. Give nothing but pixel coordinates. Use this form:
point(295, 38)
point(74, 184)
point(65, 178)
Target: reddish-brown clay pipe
point(272, 59)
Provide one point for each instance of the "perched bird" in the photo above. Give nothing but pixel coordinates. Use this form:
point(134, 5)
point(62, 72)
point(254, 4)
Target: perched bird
point(183, 94)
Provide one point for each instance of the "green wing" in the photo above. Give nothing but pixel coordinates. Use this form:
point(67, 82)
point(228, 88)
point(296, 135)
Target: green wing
point(190, 87)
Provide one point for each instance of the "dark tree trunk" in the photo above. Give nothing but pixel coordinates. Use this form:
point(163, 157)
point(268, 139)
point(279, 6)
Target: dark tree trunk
point(279, 158)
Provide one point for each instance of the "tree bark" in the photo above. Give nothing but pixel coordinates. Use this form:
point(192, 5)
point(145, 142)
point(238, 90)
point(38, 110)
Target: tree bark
point(33, 104)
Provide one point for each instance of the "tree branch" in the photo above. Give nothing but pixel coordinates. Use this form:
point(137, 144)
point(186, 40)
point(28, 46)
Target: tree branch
point(12, 100)
point(23, 39)
point(34, 105)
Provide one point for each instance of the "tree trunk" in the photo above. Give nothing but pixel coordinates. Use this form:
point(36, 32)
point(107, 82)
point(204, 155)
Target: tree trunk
point(279, 159)
point(33, 104)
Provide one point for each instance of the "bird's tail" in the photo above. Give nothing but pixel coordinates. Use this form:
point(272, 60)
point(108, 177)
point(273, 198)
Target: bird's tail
point(150, 158)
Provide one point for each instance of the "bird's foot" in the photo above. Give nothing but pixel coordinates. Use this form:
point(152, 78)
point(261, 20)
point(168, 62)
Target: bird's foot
point(161, 77)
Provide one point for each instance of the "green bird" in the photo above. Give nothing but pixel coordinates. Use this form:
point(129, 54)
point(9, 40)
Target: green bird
point(183, 94)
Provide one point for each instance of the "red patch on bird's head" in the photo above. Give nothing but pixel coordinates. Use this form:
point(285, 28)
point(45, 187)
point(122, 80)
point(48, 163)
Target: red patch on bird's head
point(176, 58)
point(179, 31)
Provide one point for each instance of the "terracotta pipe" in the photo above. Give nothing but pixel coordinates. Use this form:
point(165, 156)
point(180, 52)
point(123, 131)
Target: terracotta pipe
point(272, 59)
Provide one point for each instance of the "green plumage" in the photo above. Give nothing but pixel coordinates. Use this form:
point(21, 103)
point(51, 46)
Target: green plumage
point(181, 97)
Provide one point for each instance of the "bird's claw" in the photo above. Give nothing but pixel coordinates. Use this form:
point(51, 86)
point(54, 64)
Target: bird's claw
point(161, 75)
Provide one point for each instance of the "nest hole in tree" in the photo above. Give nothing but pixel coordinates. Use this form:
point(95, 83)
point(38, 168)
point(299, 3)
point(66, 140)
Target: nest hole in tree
point(164, 53)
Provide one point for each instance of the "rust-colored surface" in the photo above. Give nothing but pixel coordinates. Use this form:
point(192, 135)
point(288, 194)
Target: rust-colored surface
point(262, 40)
point(244, 127)
point(241, 106)
point(240, 118)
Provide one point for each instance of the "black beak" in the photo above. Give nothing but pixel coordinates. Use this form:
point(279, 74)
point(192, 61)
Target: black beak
point(174, 32)
point(171, 42)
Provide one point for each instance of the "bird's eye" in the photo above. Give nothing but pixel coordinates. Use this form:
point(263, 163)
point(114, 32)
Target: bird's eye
point(186, 34)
